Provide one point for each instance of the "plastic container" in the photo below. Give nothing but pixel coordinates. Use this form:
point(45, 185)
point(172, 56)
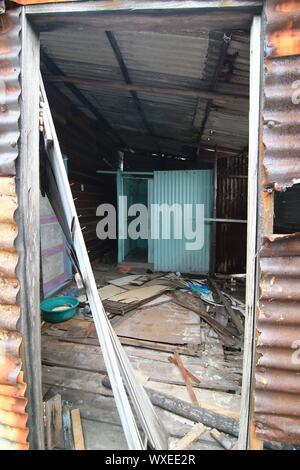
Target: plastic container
point(59, 309)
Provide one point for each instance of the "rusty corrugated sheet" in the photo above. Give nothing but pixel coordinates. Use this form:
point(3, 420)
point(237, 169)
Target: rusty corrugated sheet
point(282, 93)
point(277, 393)
point(277, 396)
point(13, 416)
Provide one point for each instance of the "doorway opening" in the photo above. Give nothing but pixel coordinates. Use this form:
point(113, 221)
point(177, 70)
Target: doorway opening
point(174, 101)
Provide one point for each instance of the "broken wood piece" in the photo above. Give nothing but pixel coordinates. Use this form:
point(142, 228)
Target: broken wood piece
point(192, 436)
point(221, 439)
point(140, 280)
point(77, 430)
point(186, 378)
point(235, 317)
point(124, 280)
point(189, 373)
point(109, 291)
point(189, 302)
point(139, 294)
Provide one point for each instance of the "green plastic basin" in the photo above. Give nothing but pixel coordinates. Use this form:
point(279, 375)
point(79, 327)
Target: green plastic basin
point(59, 309)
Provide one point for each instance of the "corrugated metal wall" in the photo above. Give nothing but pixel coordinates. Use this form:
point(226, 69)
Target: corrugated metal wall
point(183, 187)
point(232, 204)
point(13, 417)
point(277, 394)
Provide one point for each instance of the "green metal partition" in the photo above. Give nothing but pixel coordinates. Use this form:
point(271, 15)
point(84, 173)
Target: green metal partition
point(183, 187)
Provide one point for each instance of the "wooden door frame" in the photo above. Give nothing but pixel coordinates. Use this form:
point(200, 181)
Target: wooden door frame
point(29, 267)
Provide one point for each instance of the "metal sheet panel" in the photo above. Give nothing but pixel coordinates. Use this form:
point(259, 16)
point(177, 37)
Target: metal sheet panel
point(277, 393)
point(277, 396)
point(13, 416)
point(232, 204)
point(281, 104)
point(183, 187)
point(184, 61)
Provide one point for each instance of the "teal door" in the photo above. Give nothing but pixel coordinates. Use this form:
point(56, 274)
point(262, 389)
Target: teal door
point(182, 188)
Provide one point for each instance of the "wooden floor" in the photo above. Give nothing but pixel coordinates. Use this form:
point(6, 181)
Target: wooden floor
point(73, 366)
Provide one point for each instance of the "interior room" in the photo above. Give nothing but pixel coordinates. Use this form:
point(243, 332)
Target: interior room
point(156, 110)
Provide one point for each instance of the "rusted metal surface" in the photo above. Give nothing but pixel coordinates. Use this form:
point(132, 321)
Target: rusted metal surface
point(277, 396)
point(277, 378)
point(281, 100)
point(283, 28)
point(13, 417)
point(232, 204)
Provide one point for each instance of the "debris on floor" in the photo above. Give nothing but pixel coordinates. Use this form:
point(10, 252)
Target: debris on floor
point(180, 335)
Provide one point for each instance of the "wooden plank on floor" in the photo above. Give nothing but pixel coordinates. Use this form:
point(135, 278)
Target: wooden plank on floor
point(75, 379)
point(89, 358)
point(153, 324)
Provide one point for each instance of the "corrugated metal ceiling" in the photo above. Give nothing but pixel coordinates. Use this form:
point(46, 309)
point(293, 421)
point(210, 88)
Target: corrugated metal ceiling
point(166, 60)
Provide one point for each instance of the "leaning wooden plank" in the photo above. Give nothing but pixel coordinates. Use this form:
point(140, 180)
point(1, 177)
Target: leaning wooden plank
point(77, 430)
point(116, 361)
point(192, 436)
point(234, 315)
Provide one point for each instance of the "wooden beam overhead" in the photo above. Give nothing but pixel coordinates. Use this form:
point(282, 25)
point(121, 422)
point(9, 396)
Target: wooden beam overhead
point(144, 5)
point(190, 93)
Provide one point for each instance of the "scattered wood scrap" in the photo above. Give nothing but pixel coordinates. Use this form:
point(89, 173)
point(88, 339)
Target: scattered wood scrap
point(132, 299)
point(166, 323)
point(233, 314)
point(124, 280)
point(109, 291)
point(186, 375)
point(221, 439)
point(77, 430)
point(192, 436)
point(196, 305)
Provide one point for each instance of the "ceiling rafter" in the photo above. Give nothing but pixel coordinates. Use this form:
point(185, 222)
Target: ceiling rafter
point(219, 65)
point(54, 69)
point(118, 54)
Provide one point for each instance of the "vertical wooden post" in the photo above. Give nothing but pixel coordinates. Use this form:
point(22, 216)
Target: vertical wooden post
point(246, 426)
point(214, 215)
point(28, 241)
